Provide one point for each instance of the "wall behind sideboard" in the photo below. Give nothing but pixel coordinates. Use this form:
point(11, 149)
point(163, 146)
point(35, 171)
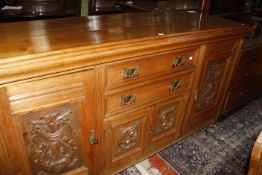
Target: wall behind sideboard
point(84, 7)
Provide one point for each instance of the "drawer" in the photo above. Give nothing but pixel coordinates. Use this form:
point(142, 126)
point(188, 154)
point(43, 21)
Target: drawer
point(240, 96)
point(223, 47)
point(148, 93)
point(252, 56)
point(243, 76)
point(118, 74)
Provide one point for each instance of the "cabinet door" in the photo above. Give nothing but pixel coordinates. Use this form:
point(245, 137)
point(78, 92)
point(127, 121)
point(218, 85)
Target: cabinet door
point(125, 136)
point(166, 121)
point(50, 120)
point(218, 65)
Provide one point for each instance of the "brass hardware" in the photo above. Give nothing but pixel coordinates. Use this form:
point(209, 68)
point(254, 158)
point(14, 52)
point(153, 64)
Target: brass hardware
point(179, 61)
point(131, 72)
point(93, 139)
point(127, 99)
point(175, 84)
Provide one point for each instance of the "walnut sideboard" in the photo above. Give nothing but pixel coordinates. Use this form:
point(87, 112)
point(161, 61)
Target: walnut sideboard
point(94, 95)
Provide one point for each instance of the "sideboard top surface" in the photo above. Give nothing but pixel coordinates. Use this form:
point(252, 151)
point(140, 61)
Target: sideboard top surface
point(32, 37)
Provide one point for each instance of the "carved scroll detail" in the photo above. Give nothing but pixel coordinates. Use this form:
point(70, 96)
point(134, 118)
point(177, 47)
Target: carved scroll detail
point(129, 137)
point(208, 90)
point(53, 143)
point(165, 119)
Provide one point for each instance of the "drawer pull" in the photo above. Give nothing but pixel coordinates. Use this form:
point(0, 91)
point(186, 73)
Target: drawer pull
point(175, 85)
point(131, 72)
point(253, 57)
point(127, 99)
point(179, 61)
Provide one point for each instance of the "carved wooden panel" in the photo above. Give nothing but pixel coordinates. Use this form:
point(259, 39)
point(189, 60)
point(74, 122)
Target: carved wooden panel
point(166, 117)
point(125, 137)
point(166, 120)
point(52, 139)
point(53, 117)
point(207, 92)
point(128, 137)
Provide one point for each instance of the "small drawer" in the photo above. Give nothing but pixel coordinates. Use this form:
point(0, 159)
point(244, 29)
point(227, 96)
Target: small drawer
point(240, 96)
point(243, 76)
point(148, 93)
point(118, 74)
point(252, 56)
point(222, 47)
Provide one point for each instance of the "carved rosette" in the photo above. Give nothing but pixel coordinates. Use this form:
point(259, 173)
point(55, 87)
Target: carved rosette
point(52, 145)
point(207, 92)
point(129, 137)
point(165, 119)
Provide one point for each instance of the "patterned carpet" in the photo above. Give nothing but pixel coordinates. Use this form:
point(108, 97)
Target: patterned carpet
point(222, 149)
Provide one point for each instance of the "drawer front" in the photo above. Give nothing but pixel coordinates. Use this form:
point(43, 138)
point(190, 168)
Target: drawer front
point(148, 66)
point(223, 47)
point(252, 56)
point(240, 96)
point(243, 76)
point(154, 91)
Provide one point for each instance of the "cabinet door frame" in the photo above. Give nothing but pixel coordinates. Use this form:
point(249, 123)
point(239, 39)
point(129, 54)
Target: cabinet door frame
point(192, 120)
point(115, 133)
point(83, 82)
point(173, 133)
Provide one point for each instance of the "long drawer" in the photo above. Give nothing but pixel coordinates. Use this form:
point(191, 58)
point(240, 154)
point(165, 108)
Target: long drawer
point(224, 47)
point(119, 74)
point(147, 93)
point(251, 56)
point(243, 76)
point(240, 96)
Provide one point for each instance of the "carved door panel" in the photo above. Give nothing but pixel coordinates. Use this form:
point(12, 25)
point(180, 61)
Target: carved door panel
point(125, 137)
point(166, 121)
point(52, 119)
point(53, 139)
point(211, 87)
point(207, 94)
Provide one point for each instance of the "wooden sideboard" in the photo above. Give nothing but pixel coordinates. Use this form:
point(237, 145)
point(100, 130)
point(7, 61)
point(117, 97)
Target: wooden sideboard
point(98, 94)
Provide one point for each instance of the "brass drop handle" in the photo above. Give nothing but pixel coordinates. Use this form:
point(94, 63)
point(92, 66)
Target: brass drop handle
point(175, 85)
point(179, 61)
point(131, 72)
point(93, 139)
point(127, 99)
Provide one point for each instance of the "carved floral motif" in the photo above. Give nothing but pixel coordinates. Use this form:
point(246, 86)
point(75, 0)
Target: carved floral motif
point(52, 143)
point(208, 90)
point(129, 137)
point(165, 119)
